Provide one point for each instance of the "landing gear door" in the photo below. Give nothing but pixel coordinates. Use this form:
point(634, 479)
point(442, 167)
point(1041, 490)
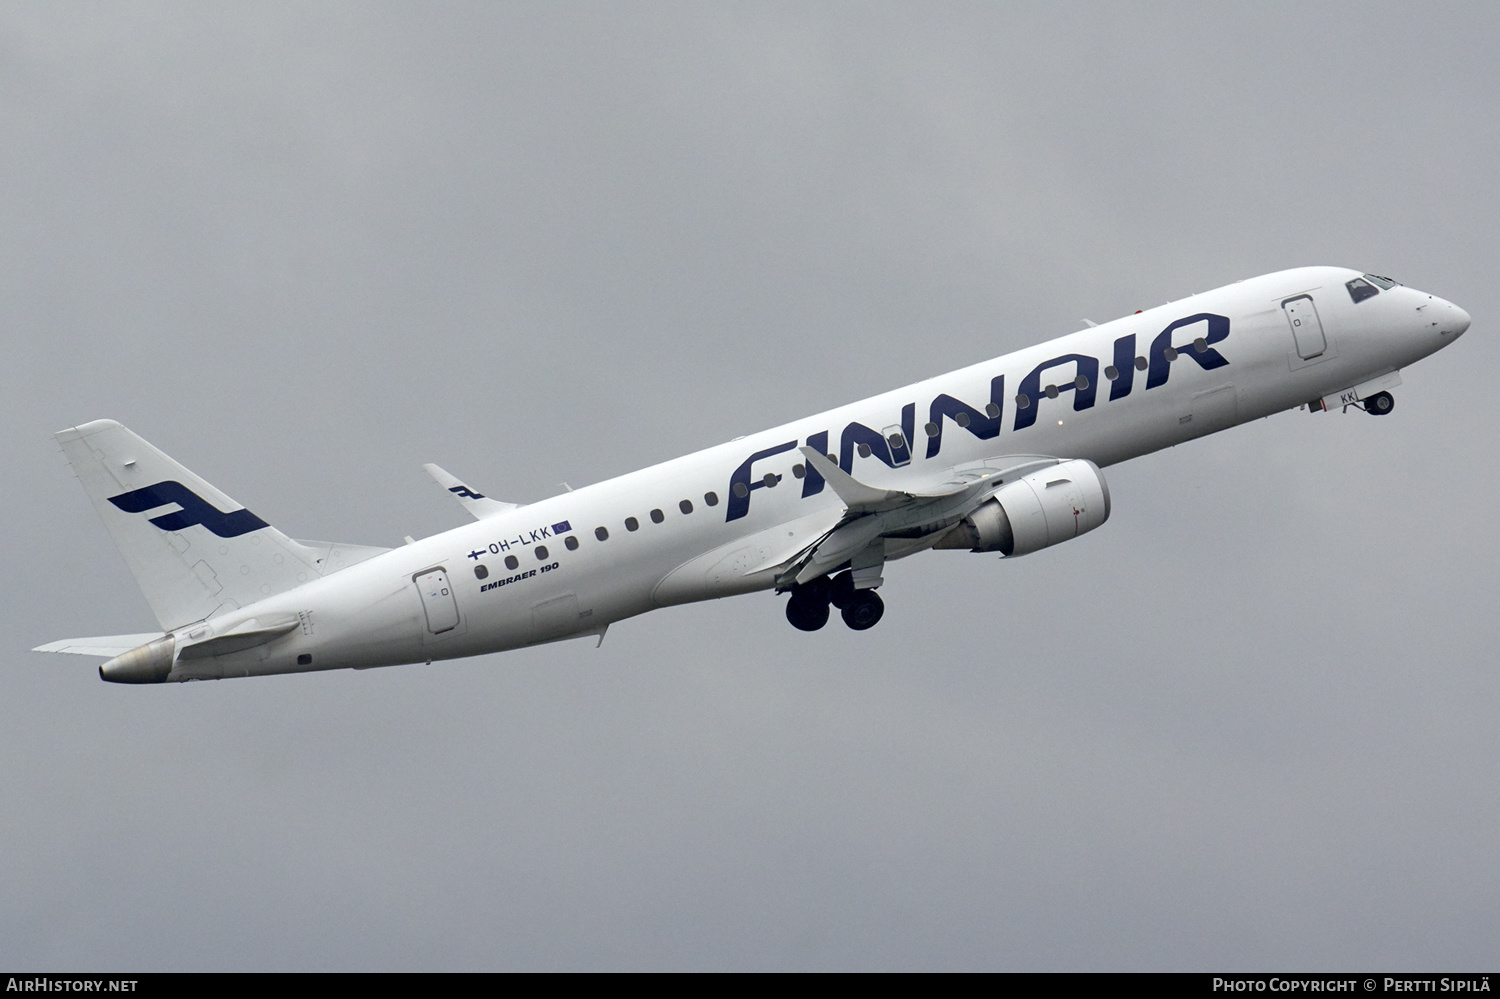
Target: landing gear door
point(437, 601)
point(1307, 329)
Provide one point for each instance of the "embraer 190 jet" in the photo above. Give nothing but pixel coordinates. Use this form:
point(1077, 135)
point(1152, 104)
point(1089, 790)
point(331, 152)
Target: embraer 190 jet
point(1003, 457)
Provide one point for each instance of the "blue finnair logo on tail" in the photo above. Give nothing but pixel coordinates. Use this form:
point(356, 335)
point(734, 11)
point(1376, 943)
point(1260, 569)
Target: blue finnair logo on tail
point(195, 510)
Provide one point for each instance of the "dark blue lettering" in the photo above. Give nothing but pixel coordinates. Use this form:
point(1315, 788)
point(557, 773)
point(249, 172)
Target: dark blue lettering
point(740, 483)
point(856, 434)
point(1083, 398)
point(1124, 367)
point(980, 423)
point(812, 483)
point(1218, 329)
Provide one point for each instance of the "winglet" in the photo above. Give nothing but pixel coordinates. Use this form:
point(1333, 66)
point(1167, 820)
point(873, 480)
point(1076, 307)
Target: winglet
point(477, 503)
point(856, 495)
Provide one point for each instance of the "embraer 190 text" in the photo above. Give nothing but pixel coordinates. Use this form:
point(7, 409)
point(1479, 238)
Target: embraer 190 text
point(1003, 456)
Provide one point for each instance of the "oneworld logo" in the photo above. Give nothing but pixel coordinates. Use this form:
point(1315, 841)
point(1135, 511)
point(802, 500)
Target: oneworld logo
point(195, 510)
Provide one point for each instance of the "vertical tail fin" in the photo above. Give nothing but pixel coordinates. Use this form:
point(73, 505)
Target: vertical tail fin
point(194, 551)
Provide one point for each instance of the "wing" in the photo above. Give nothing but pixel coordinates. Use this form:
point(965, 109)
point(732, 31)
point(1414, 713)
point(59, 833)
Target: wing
point(874, 518)
point(477, 503)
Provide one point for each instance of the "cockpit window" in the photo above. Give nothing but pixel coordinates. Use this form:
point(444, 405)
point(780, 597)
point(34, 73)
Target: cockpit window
point(1360, 289)
point(1384, 283)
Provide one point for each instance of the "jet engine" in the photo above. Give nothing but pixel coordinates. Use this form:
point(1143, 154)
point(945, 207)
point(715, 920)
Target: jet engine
point(1036, 511)
point(149, 663)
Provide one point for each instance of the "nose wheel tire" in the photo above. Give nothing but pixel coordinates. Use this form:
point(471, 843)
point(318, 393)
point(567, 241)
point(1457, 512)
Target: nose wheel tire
point(1380, 404)
point(862, 609)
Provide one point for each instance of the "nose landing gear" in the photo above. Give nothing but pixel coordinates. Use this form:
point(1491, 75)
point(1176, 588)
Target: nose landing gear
point(807, 610)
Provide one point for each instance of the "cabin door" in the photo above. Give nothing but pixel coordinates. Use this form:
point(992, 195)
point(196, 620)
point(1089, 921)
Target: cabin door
point(1307, 329)
point(437, 601)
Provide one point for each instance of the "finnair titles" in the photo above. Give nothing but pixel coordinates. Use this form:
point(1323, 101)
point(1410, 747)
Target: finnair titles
point(1001, 457)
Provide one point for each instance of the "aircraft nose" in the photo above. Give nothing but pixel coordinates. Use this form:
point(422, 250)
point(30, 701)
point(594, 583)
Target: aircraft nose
point(1443, 318)
point(1458, 321)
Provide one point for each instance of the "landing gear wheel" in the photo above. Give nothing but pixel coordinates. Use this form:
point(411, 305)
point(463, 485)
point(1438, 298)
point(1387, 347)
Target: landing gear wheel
point(1380, 404)
point(840, 589)
point(806, 615)
point(862, 609)
point(807, 610)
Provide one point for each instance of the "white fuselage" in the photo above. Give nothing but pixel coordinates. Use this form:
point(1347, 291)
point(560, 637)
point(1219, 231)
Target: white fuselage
point(733, 515)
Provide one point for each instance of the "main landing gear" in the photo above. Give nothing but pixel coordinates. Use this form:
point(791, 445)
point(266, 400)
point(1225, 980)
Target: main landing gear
point(807, 610)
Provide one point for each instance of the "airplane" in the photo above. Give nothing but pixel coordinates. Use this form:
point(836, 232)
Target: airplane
point(1002, 457)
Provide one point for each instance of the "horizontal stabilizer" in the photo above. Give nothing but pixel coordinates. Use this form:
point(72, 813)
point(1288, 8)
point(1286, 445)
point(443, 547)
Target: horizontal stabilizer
point(107, 646)
point(478, 504)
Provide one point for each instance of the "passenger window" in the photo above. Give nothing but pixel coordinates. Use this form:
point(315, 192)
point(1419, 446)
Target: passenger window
point(1141, 364)
point(712, 499)
point(741, 490)
point(1360, 289)
point(602, 533)
point(571, 543)
point(657, 516)
point(770, 480)
point(799, 470)
point(931, 429)
point(864, 451)
point(541, 553)
point(480, 572)
point(961, 418)
point(1023, 401)
point(992, 410)
point(1170, 353)
point(1081, 383)
point(631, 524)
point(511, 562)
point(1111, 372)
point(1200, 345)
point(686, 506)
point(1051, 391)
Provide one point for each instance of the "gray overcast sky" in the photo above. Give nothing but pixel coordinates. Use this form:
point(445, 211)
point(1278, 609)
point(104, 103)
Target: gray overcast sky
point(1249, 724)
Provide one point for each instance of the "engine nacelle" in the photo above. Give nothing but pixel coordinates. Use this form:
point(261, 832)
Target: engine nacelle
point(1036, 511)
point(150, 663)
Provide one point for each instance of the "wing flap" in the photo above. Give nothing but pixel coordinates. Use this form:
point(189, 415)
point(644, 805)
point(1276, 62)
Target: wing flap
point(873, 514)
